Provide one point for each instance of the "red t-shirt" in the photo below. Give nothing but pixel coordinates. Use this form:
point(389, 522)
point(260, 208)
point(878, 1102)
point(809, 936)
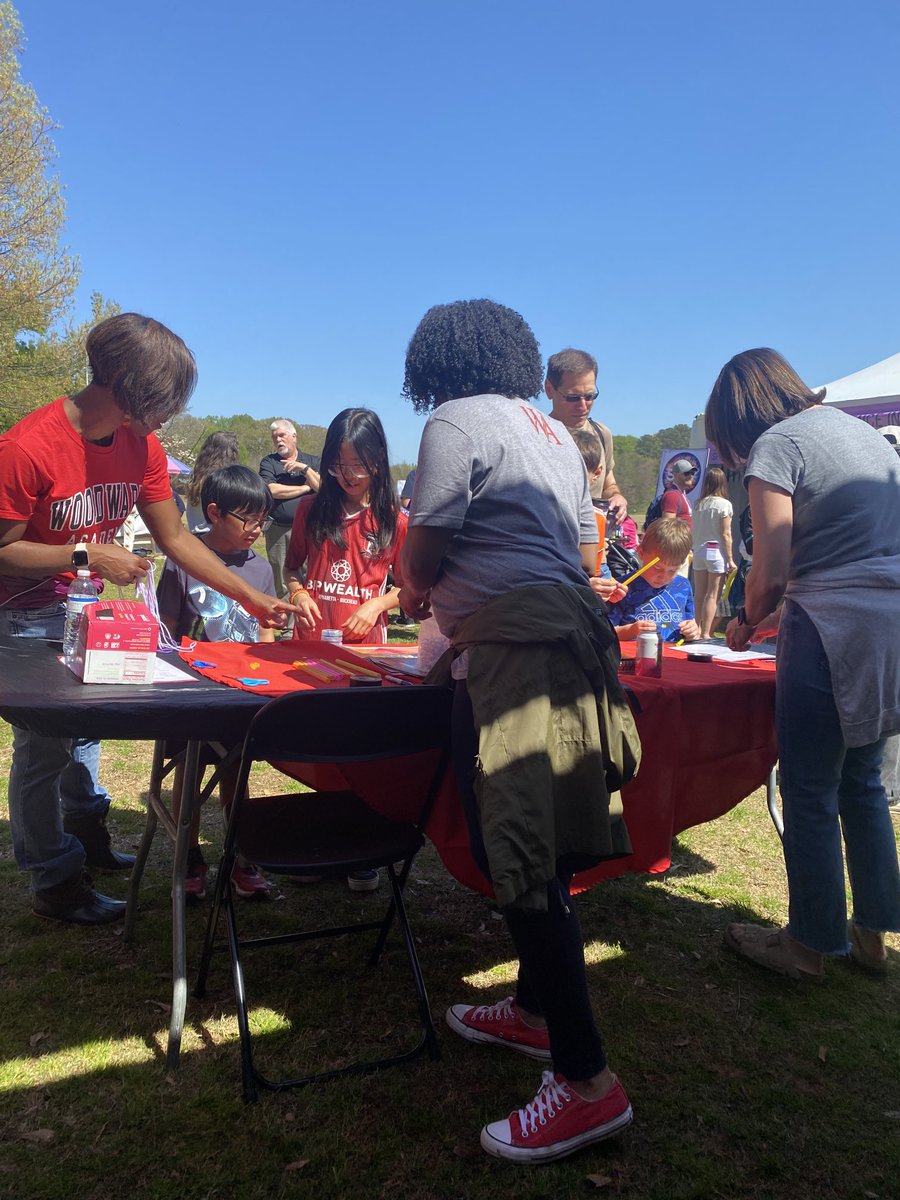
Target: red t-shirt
point(69, 490)
point(676, 503)
point(341, 580)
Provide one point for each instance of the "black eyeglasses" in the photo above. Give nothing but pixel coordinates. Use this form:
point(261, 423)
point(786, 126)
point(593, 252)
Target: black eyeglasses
point(250, 524)
point(587, 397)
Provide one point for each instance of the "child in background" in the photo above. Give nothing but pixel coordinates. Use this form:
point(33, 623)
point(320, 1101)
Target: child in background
point(236, 505)
point(349, 535)
point(590, 449)
point(661, 598)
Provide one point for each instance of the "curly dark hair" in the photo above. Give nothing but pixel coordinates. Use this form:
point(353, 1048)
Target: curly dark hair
point(471, 348)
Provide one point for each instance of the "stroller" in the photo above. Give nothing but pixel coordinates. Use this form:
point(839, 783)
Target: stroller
point(621, 561)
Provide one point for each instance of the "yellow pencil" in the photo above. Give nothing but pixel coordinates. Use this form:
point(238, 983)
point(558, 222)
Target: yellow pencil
point(645, 567)
point(354, 669)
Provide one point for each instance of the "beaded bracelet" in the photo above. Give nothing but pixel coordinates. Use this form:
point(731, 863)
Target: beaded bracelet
point(297, 592)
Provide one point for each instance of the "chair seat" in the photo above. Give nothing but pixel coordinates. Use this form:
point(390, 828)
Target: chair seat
point(319, 832)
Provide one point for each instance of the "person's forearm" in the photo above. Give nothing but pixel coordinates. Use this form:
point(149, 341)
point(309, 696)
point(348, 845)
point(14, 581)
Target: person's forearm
point(289, 491)
point(610, 487)
point(761, 596)
point(31, 560)
point(190, 553)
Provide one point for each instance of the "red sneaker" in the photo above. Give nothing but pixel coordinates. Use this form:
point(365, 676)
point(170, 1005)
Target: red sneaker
point(247, 881)
point(501, 1024)
point(557, 1122)
point(195, 876)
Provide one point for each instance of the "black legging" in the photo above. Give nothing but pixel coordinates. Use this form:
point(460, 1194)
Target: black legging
point(552, 980)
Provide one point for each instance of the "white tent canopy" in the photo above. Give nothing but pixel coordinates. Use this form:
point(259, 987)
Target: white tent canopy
point(873, 393)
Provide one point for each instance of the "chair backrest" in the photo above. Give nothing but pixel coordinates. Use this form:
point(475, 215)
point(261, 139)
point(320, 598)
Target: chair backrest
point(344, 725)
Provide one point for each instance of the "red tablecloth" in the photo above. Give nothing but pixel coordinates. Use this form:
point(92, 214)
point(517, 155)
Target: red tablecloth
point(707, 731)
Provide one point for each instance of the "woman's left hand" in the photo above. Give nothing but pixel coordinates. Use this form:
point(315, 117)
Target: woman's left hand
point(362, 621)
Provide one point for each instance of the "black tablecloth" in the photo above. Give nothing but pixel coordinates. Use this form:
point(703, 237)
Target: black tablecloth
point(40, 693)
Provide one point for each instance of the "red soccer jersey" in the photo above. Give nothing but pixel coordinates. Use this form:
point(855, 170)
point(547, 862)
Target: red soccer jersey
point(69, 490)
point(341, 580)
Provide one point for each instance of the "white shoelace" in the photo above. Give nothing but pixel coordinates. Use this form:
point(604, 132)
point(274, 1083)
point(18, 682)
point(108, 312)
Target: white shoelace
point(501, 1011)
point(551, 1097)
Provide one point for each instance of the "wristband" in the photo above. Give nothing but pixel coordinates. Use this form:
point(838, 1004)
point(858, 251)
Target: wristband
point(742, 618)
point(297, 592)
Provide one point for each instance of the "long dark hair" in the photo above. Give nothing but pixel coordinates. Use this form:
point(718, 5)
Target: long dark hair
point(363, 430)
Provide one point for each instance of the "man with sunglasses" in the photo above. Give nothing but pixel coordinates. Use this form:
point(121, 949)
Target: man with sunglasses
point(571, 387)
point(674, 502)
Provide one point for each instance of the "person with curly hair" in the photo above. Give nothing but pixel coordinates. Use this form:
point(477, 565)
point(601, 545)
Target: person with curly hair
point(219, 450)
point(501, 539)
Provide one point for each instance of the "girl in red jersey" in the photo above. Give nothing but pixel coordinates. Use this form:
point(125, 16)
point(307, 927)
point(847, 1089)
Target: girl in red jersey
point(349, 536)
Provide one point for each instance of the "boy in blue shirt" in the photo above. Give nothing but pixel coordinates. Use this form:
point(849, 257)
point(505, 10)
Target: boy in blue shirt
point(660, 598)
point(236, 504)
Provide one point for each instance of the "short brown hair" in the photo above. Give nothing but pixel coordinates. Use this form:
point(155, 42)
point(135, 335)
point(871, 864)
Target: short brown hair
point(589, 446)
point(575, 362)
point(148, 368)
point(754, 391)
point(670, 538)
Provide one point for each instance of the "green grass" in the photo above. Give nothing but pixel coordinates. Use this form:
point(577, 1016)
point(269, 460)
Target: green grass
point(744, 1086)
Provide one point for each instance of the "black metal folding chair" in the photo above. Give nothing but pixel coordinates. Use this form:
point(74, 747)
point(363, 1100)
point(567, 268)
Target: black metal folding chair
point(331, 833)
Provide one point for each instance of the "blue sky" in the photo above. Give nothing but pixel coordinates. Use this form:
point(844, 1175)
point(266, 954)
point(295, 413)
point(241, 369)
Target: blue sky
point(290, 186)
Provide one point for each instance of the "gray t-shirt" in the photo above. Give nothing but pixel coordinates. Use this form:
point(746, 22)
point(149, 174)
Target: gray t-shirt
point(844, 480)
point(511, 483)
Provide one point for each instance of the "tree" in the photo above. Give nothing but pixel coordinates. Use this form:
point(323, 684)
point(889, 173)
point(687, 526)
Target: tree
point(38, 276)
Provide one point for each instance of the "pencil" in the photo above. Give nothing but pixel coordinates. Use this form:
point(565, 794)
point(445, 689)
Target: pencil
point(354, 669)
point(645, 567)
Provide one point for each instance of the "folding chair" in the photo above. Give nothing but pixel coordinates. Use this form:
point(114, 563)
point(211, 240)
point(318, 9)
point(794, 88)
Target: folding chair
point(332, 833)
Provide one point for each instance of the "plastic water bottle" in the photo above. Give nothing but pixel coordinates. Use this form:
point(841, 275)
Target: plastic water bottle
point(81, 591)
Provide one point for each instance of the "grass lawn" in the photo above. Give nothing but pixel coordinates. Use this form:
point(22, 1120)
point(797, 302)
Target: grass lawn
point(743, 1085)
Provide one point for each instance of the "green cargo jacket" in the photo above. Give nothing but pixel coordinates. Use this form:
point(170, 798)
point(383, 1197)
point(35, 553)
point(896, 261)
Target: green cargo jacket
point(557, 739)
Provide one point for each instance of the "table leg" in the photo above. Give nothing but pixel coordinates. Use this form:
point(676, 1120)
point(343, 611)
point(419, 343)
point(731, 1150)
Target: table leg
point(772, 802)
point(150, 825)
point(189, 801)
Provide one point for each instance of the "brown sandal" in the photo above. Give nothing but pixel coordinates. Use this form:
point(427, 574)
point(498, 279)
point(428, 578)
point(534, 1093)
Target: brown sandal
point(860, 955)
point(769, 948)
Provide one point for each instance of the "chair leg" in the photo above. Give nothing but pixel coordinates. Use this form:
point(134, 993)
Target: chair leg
point(431, 1042)
point(248, 1074)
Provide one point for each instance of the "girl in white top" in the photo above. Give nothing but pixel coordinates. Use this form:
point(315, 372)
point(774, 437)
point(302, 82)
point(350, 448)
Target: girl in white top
point(713, 560)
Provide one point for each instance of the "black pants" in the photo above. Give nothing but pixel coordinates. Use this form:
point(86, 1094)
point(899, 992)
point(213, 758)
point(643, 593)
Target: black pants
point(552, 979)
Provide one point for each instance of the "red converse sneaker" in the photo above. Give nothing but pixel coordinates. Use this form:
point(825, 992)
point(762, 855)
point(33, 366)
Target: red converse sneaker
point(557, 1122)
point(501, 1024)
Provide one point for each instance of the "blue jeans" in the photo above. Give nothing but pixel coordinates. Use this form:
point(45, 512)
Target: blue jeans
point(49, 776)
point(828, 788)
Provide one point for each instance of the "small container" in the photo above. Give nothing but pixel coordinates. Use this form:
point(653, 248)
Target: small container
point(334, 637)
point(365, 681)
point(648, 653)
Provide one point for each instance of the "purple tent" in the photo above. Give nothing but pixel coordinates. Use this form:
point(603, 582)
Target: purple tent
point(176, 467)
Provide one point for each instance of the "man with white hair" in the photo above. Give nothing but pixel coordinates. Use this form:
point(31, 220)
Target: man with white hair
point(288, 477)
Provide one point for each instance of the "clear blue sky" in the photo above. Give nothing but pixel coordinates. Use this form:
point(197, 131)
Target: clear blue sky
point(291, 185)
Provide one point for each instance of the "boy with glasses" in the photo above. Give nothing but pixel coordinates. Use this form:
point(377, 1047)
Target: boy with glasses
point(571, 387)
point(236, 504)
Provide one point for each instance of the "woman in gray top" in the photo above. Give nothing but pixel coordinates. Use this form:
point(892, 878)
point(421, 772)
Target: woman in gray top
point(825, 501)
